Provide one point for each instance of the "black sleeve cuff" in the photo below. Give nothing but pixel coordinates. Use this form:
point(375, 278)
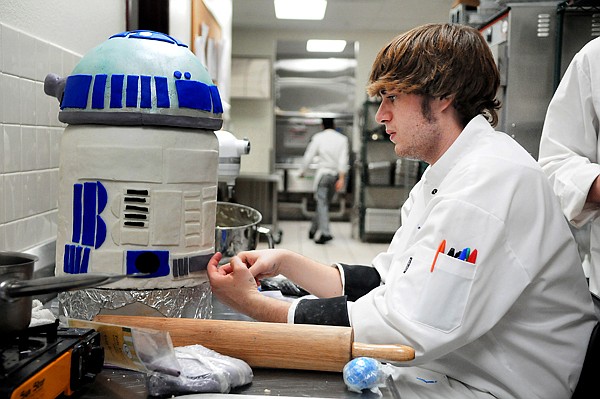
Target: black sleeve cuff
point(359, 280)
point(323, 311)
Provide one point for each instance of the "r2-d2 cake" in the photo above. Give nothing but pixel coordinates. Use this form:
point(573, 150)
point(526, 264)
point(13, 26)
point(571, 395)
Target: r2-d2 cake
point(138, 163)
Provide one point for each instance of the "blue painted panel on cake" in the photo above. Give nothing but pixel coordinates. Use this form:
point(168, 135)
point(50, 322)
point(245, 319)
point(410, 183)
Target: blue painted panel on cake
point(68, 255)
point(146, 95)
point(162, 92)
point(154, 263)
point(116, 91)
point(100, 232)
point(98, 91)
point(102, 197)
point(193, 94)
point(89, 214)
point(76, 91)
point(100, 224)
point(216, 100)
point(76, 259)
point(77, 211)
point(131, 93)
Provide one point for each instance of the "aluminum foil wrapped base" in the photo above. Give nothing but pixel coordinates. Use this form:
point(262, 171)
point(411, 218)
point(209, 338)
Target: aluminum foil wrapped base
point(189, 302)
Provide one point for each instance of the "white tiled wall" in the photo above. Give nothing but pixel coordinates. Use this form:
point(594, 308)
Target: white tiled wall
point(30, 135)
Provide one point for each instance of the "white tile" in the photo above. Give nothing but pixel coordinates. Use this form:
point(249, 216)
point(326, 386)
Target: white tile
point(28, 148)
point(53, 108)
point(54, 182)
point(13, 196)
point(43, 147)
point(11, 98)
point(26, 56)
point(47, 226)
point(43, 191)
point(2, 216)
point(55, 61)
point(12, 148)
point(3, 238)
point(1, 70)
point(1, 93)
point(42, 60)
point(1, 150)
point(10, 50)
point(30, 198)
point(15, 236)
point(32, 230)
point(42, 106)
point(27, 101)
point(55, 137)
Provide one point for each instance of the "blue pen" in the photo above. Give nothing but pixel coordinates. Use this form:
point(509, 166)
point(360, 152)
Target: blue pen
point(464, 254)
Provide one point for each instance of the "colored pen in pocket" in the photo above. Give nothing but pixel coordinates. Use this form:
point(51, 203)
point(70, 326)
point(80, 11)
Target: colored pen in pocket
point(472, 257)
point(441, 248)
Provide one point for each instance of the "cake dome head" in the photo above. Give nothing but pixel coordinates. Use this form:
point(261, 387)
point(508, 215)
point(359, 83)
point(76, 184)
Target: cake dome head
point(139, 78)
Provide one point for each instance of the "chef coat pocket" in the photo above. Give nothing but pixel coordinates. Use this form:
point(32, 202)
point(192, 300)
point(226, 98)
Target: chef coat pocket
point(445, 294)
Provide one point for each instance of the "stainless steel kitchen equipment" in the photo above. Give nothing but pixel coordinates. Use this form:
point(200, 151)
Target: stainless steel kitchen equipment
point(17, 288)
point(230, 151)
point(533, 42)
point(237, 229)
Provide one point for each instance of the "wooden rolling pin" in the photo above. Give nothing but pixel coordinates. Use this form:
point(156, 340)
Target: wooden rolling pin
point(269, 345)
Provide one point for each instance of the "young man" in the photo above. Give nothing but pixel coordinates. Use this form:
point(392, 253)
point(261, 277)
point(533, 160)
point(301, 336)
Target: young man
point(511, 317)
point(330, 149)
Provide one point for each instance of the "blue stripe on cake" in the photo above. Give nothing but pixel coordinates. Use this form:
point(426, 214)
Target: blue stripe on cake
point(116, 91)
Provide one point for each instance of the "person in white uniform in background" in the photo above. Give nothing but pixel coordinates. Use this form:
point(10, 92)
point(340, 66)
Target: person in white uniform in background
point(329, 148)
point(569, 151)
point(511, 317)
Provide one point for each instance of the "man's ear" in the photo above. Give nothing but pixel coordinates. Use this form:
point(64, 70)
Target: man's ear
point(444, 102)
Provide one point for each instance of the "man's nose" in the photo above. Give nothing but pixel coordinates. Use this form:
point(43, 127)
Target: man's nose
point(381, 116)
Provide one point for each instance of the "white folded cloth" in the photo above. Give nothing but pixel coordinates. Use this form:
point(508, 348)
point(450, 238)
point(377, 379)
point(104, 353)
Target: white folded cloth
point(40, 315)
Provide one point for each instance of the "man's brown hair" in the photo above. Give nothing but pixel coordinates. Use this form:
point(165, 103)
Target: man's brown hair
point(441, 60)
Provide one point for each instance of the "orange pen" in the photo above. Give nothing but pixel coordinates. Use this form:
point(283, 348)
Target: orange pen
point(441, 248)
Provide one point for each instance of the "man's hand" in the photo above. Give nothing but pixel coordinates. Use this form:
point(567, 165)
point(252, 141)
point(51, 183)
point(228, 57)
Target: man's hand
point(594, 193)
point(232, 282)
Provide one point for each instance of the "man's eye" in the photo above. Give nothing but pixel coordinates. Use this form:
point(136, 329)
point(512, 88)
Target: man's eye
point(391, 98)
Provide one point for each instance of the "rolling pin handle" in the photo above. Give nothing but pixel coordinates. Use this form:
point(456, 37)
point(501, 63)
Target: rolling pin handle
point(392, 353)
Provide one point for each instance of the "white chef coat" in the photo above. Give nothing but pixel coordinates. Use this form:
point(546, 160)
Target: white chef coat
point(569, 150)
point(330, 149)
point(516, 323)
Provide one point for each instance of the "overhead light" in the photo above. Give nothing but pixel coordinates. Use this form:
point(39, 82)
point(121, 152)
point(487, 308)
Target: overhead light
point(300, 9)
point(325, 46)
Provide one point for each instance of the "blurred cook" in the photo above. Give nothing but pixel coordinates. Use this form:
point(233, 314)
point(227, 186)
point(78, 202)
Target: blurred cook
point(329, 148)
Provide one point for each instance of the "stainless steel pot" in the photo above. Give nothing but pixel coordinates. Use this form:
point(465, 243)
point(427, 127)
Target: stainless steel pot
point(17, 287)
point(237, 229)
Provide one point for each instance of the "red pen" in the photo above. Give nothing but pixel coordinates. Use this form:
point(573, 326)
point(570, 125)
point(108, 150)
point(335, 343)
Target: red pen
point(441, 248)
point(472, 257)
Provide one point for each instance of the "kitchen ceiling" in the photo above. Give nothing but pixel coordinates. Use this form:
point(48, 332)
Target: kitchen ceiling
point(345, 15)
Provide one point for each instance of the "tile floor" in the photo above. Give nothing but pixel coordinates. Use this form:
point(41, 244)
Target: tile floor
point(343, 248)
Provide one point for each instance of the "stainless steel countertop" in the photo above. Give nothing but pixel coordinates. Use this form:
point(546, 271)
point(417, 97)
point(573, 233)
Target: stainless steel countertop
point(126, 384)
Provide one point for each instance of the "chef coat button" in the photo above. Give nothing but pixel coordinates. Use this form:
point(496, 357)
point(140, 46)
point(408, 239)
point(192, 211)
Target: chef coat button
point(434, 191)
